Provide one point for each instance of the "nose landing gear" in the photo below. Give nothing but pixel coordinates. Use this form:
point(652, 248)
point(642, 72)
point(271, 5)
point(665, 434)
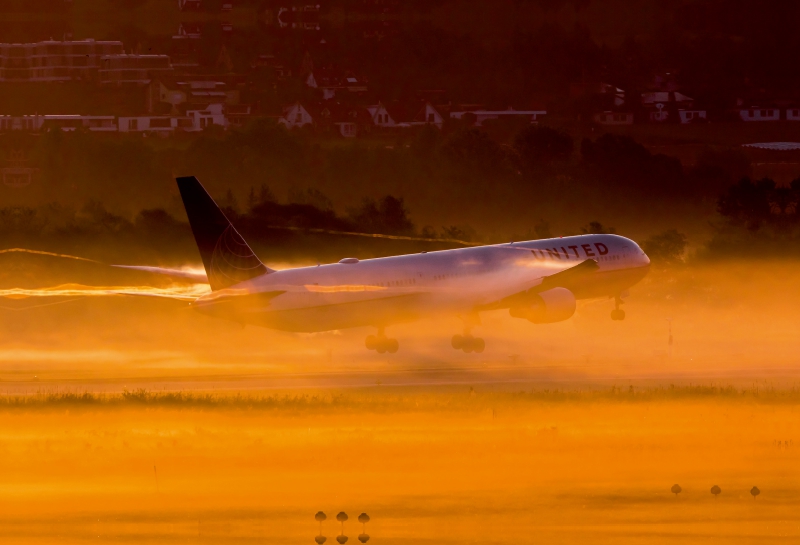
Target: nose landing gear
point(618, 314)
point(381, 344)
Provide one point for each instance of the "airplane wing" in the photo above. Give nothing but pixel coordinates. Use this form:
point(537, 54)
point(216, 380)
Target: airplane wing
point(561, 279)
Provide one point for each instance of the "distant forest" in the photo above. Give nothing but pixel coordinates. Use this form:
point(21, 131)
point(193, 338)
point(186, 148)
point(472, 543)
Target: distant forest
point(97, 192)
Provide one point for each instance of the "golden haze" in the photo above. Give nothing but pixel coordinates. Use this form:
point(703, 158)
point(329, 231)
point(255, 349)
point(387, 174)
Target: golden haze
point(571, 432)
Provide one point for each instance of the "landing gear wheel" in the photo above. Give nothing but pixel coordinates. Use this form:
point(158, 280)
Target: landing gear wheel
point(468, 343)
point(381, 344)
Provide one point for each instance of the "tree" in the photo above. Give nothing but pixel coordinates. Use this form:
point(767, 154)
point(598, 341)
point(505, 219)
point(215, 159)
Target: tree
point(755, 205)
point(597, 228)
point(473, 151)
point(666, 248)
point(539, 146)
point(716, 491)
point(714, 170)
point(755, 492)
point(676, 489)
point(387, 216)
point(623, 162)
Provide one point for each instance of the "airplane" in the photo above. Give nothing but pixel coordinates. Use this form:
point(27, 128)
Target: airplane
point(539, 281)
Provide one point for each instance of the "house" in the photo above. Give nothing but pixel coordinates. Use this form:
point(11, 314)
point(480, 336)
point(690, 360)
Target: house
point(296, 116)
point(190, 5)
point(381, 117)
point(662, 106)
point(602, 95)
point(404, 114)
point(479, 115)
point(163, 125)
point(347, 120)
point(691, 116)
point(194, 91)
point(613, 118)
point(652, 98)
point(238, 114)
point(330, 81)
point(753, 113)
point(328, 117)
point(428, 115)
point(213, 114)
point(299, 17)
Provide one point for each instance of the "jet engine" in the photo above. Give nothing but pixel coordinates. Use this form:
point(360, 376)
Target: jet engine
point(553, 305)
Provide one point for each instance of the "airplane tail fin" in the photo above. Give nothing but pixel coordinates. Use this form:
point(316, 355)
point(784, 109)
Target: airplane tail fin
point(227, 258)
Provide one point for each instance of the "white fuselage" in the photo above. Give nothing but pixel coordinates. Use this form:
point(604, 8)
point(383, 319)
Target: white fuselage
point(388, 290)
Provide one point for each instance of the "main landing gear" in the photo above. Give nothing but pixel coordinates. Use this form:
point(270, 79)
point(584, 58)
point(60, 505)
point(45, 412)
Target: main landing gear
point(381, 344)
point(618, 314)
point(468, 343)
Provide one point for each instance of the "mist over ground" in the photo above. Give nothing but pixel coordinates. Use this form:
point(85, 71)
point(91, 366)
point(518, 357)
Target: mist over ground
point(127, 416)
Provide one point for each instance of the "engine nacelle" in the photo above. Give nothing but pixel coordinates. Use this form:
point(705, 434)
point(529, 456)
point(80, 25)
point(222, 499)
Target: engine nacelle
point(546, 307)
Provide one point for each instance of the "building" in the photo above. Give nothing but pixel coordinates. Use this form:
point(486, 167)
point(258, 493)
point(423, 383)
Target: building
point(759, 113)
point(427, 115)
point(479, 115)
point(405, 114)
point(330, 82)
point(296, 116)
point(692, 116)
point(35, 123)
point(613, 118)
point(133, 69)
point(299, 17)
point(653, 98)
point(54, 61)
point(664, 106)
point(193, 120)
point(381, 117)
point(16, 168)
point(175, 92)
point(190, 5)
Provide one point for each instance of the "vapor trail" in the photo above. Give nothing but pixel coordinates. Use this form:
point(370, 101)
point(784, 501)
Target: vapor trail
point(185, 293)
point(374, 235)
point(40, 252)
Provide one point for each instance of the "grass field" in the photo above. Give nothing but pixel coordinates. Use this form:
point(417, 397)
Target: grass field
point(136, 420)
point(430, 465)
